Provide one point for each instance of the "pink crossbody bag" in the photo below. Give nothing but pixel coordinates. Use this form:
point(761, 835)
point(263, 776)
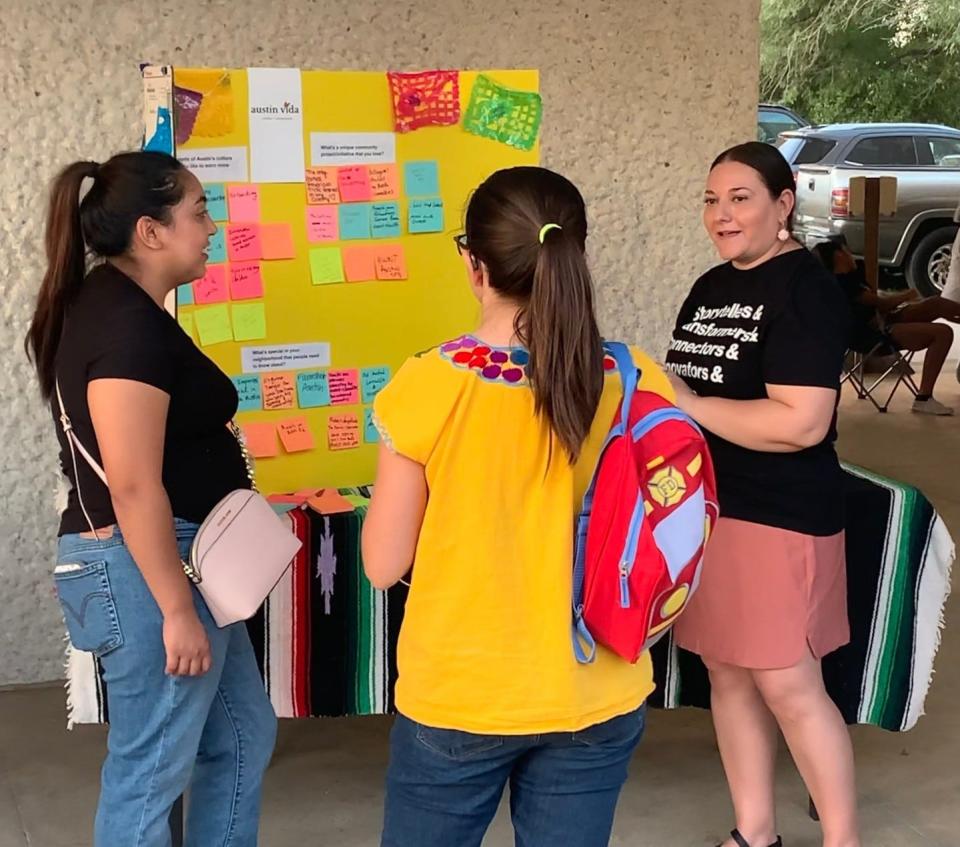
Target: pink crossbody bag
point(240, 551)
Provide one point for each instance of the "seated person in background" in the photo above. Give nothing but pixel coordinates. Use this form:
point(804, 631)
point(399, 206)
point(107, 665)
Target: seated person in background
point(907, 324)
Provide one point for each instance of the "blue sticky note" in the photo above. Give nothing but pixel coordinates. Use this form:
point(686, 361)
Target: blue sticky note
point(425, 215)
point(313, 389)
point(185, 294)
point(385, 220)
point(217, 249)
point(371, 434)
point(421, 179)
point(372, 381)
point(216, 201)
point(248, 390)
point(354, 221)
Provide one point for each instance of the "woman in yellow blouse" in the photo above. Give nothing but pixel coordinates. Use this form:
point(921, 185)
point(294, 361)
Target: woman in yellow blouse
point(489, 443)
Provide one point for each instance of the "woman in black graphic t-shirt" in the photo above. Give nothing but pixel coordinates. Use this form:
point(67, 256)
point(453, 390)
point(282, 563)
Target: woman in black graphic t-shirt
point(757, 354)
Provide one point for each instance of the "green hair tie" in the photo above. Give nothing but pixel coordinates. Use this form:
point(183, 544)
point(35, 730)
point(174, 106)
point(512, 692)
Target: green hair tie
point(546, 228)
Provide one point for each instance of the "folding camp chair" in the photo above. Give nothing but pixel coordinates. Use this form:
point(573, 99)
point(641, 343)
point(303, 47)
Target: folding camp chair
point(854, 369)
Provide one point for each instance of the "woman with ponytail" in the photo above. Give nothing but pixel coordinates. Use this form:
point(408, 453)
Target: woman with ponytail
point(185, 701)
point(489, 443)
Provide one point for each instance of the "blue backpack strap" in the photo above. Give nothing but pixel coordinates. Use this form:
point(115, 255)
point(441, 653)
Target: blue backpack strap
point(629, 373)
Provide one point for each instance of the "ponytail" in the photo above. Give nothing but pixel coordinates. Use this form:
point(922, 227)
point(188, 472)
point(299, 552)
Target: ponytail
point(566, 352)
point(66, 267)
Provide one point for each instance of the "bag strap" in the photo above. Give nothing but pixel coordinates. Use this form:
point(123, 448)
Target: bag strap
point(73, 442)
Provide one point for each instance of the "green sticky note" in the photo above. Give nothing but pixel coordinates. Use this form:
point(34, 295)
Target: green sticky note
point(213, 324)
point(421, 179)
point(385, 220)
point(216, 201)
point(354, 221)
point(185, 319)
point(249, 321)
point(326, 265)
point(426, 215)
point(357, 500)
point(248, 393)
point(217, 248)
point(371, 434)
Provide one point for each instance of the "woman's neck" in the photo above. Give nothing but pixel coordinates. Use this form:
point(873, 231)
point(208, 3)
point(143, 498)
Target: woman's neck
point(498, 323)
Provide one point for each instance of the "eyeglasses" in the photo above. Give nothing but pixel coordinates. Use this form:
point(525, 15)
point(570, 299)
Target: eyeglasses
point(461, 242)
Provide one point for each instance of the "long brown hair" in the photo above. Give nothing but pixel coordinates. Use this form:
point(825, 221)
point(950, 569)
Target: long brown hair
point(551, 284)
point(126, 188)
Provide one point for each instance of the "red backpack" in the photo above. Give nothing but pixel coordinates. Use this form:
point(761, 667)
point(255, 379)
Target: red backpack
point(645, 520)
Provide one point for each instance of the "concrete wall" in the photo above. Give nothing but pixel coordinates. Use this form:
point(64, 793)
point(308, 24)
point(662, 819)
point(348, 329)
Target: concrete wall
point(639, 95)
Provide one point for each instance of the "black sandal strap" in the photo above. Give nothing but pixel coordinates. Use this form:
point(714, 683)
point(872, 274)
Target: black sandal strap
point(741, 841)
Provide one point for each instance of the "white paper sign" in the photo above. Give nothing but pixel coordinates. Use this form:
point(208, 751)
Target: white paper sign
point(275, 103)
point(352, 148)
point(285, 357)
point(216, 164)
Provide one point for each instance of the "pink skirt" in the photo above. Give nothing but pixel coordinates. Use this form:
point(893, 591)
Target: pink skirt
point(767, 595)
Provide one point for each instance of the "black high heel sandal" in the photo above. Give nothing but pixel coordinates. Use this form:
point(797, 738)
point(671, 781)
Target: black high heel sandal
point(742, 842)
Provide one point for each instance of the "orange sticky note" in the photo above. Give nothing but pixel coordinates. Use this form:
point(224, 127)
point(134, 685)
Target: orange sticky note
point(278, 391)
point(295, 435)
point(261, 439)
point(277, 241)
point(384, 182)
point(322, 186)
point(359, 263)
point(243, 242)
point(354, 184)
point(244, 203)
point(329, 501)
point(390, 262)
point(212, 286)
point(323, 223)
point(246, 281)
point(343, 432)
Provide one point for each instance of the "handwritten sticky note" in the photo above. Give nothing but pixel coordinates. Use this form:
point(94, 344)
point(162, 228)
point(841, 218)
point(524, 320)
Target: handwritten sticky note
point(343, 432)
point(385, 220)
point(278, 391)
point(322, 223)
point(212, 286)
point(371, 435)
point(354, 184)
point(322, 186)
point(248, 392)
point(213, 324)
point(313, 389)
point(421, 179)
point(249, 322)
point(243, 242)
point(244, 203)
point(295, 435)
point(344, 387)
point(261, 439)
point(372, 381)
point(217, 246)
point(185, 294)
point(359, 263)
point(384, 182)
point(390, 262)
point(354, 221)
point(326, 265)
point(216, 201)
point(185, 319)
point(246, 281)
point(277, 241)
point(425, 215)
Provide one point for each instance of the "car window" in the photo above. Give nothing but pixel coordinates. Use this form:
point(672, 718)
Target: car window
point(945, 152)
point(805, 151)
point(896, 150)
point(770, 124)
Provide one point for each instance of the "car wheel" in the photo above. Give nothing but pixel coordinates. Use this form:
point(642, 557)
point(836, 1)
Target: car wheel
point(930, 260)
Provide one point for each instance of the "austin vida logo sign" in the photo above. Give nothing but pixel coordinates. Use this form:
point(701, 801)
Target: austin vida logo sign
point(284, 109)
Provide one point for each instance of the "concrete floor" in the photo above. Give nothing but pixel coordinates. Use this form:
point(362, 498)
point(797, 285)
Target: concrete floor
point(324, 786)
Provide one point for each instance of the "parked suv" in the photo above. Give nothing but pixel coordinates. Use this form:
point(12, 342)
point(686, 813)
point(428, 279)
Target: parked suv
point(925, 159)
point(772, 120)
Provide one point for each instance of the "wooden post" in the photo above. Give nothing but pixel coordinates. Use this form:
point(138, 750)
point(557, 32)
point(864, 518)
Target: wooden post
point(871, 231)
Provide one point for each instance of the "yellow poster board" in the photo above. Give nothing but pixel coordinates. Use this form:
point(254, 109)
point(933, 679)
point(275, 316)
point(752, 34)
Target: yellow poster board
point(369, 324)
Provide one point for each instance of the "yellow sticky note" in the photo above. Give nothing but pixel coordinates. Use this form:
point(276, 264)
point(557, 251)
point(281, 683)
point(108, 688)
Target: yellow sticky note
point(213, 324)
point(326, 265)
point(185, 319)
point(249, 322)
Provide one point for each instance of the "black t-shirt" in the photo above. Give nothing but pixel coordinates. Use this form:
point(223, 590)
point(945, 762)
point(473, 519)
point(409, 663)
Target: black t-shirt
point(781, 323)
point(113, 329)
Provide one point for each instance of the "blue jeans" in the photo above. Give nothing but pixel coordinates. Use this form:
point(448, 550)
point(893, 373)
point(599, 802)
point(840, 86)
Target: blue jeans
point(444, 786)
point(213, 734)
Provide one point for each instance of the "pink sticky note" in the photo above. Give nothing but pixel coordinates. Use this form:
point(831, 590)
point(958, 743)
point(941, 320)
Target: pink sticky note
point(354, 184)
point(243, 242)
point(246, 281)
point(212, 286)
point(244, 203)
point(322, 223)
point(344, 387)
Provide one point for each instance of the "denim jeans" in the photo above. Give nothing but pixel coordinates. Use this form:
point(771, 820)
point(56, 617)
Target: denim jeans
point(213, 734)
point(444, 786)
